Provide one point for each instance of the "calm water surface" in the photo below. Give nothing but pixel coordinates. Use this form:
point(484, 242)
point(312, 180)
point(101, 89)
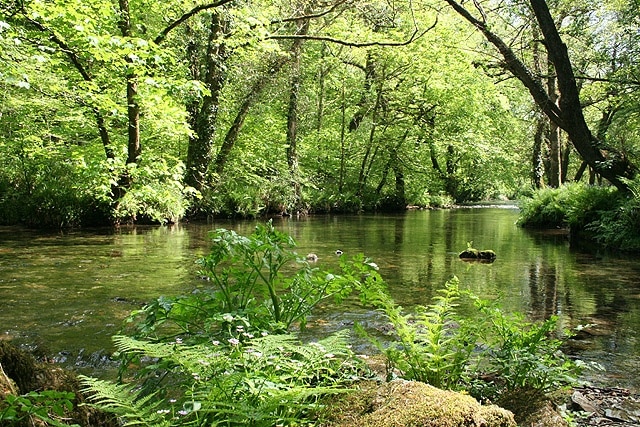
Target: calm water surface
point(67, 293)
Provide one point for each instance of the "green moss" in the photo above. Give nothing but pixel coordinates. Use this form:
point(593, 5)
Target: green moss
point(401, 403)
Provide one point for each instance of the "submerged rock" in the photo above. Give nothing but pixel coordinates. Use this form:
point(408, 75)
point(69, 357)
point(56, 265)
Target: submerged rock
point(401, 403)
point(606, 406)
point(486, 255)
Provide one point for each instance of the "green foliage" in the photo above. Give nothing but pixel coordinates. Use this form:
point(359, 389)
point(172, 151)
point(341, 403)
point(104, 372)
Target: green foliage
point(157, 193)
point(618, 226)
point(521, 355)
point(490, 354)
point(264, 381)
point(48, 406)
point(434, 345)
point(601, 214)
point(572, 205)
point(223, 356)
point(428, 200)
point(258, 283)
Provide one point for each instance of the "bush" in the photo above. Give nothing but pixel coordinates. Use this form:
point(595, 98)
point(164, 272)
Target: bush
point(572, 205)
point(264, 381)
point(602, 214)
point(226, 356)
point(258, 283)
point(618, 226)
point(156, 194)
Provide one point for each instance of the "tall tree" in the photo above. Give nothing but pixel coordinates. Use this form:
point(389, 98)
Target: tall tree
point(133, 108)
point(211, 70)
point(292, 112)
point(568, 114)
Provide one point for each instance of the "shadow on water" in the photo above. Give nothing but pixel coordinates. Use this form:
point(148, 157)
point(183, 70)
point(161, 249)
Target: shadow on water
point(69, 292)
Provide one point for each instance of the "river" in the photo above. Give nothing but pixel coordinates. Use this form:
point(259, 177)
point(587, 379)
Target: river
point(66, 293)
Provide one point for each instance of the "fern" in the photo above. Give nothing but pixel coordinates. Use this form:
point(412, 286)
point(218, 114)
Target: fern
point(122, 400)
point(263, 381)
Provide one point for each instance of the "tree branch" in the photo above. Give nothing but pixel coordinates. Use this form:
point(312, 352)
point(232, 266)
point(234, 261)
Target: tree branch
point(514, 65)
point(311, 15)
point(63, 46)
point(416, 35)
point(163, 34)
point(605, 80)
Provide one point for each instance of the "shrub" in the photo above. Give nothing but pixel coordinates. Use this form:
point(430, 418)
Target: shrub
point(572, 205)
point(224, 355)
point(47, 406)
point(618, 225)
point(519, 356)
point(434, 345)
point(156, 194)
point(602, 214)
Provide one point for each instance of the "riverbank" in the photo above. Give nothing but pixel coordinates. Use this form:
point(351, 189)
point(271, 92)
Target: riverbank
point(602, 215)
point(375, 402)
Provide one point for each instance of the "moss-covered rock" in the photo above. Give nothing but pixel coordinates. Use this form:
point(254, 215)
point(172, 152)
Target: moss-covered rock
point(401, 403)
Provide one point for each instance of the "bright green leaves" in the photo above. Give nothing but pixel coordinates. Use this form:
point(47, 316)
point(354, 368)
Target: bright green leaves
point(48, 406)
point(437, 345)
point(263, 381)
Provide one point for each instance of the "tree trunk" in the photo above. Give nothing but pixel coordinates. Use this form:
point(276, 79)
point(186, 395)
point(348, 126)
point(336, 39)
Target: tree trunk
point(133, 108)
point(343, 127)
point(365, 166)
point(568, 115)
point(204, 116)
point(537, 160)
point(572, 120)
point(322, 73)
point(292, 114)
point(250, 99)
point(393, 163)
point(369, 76)
point(553, 135)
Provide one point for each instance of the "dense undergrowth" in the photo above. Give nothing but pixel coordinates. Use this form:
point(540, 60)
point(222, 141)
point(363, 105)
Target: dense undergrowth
point(600, 214)
point(230, 356)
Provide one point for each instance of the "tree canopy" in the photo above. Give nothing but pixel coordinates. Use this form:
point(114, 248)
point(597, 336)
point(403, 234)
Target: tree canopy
point(149, 110)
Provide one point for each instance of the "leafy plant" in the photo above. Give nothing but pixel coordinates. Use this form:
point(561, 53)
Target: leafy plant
point(258, 283)
point(433, 344)
point(265, 381)
point(572, 205)
point(520, 356)
point(48, 406)
point(618, 226)
point(157, 193)
point(489, 354)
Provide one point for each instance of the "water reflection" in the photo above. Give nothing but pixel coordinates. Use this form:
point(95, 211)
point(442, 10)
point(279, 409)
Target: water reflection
point(70, 291)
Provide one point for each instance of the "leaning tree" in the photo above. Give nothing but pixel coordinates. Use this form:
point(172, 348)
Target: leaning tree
point(567, 113)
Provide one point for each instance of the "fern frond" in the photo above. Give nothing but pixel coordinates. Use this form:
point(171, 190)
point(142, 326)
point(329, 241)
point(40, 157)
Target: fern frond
point(123, 401)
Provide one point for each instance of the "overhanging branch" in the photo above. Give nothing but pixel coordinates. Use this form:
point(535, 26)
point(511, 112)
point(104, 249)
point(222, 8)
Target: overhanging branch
point(416, 35)
point(514, 65)
point(163, 34)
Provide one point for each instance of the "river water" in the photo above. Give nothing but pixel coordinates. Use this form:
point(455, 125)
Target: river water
point(67, 293)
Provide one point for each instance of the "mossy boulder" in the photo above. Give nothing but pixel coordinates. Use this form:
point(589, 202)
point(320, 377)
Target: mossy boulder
point(472, 254)
point(401, 403)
